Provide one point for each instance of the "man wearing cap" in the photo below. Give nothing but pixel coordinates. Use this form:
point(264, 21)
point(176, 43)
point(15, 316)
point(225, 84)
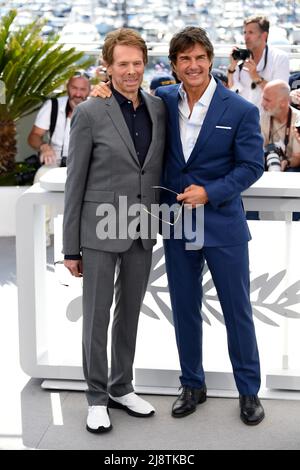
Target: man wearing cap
point(161, 80)
point(217, 73)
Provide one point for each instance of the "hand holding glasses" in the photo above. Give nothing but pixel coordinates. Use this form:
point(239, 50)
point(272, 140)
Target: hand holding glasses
point(178, 209)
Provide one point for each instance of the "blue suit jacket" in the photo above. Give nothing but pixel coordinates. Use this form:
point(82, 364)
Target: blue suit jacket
point(224, 161)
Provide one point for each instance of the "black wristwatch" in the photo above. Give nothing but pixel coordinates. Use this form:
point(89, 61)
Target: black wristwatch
point(256, 82)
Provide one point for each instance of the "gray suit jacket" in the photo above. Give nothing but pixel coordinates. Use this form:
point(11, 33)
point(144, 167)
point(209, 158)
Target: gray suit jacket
point(102, 166)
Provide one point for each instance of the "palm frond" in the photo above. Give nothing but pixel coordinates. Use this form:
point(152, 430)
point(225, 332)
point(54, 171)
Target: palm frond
point(4, 33)
point(32, 68)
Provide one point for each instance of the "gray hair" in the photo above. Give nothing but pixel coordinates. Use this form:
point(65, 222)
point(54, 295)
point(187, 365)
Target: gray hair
point(283, 89)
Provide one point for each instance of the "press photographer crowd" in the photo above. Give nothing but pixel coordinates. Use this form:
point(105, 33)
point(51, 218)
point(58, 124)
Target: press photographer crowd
point(259, 73)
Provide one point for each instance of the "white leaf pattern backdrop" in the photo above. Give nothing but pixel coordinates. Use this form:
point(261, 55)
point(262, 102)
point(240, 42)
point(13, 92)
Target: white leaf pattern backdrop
point(275, 295)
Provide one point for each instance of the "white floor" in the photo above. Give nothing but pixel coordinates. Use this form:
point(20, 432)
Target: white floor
point(13, 378)
point(33, 418)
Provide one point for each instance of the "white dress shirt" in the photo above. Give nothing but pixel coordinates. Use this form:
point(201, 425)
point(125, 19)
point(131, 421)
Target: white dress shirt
point(61, 134)
point(190, 123)
point(277, 67)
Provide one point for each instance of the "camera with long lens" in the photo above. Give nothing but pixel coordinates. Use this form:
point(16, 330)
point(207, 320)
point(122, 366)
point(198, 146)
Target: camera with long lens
point(273, 157)
point(241, 54)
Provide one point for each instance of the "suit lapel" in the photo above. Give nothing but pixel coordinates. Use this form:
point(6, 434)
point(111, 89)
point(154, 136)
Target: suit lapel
point(216, 108)
point(153, 116)
point(113, 109)
point(174, 118)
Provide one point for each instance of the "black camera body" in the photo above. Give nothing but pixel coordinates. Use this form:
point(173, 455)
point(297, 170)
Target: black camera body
point(273, 157)
point(34, 161)
point(25, 177)
point(241, 54)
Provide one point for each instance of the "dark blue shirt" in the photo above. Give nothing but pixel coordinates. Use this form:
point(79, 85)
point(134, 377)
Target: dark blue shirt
point(138, 122)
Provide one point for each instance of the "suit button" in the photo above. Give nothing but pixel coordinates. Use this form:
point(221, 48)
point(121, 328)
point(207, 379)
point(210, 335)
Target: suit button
point(185, 170)
point(142, 172)
point(139, 196)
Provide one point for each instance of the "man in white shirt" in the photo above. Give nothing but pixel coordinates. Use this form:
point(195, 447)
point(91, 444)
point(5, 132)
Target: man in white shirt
point(190, 122)
point(214, 152)
point(53, 150)
point(249, 77)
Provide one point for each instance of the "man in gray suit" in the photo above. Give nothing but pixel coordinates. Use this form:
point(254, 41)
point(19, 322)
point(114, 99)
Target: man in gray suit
point(115, 159)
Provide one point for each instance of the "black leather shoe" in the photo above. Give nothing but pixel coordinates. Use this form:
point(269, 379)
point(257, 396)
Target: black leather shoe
point(252, 412)
point(188, 400)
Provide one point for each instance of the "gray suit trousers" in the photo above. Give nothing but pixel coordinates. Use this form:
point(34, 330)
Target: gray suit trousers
point(132, 269)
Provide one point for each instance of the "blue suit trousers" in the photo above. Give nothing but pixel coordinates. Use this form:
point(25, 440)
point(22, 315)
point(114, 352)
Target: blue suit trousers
point(229, 267)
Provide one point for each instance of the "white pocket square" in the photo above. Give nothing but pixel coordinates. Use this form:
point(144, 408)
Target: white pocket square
point(223, 127)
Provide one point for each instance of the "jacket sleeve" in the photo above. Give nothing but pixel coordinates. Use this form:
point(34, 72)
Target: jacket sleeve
point(80, 152)
point(248, 162)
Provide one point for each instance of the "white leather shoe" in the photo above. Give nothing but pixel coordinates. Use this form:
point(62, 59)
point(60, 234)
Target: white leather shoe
point(132, 404)
point(98, 420)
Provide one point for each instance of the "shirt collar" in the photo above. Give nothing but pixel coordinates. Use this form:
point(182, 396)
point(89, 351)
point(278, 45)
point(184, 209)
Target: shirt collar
point(121, 99)
point(206, 98)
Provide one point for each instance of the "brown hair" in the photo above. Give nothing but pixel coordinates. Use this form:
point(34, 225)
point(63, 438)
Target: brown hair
point(262, 21)
point(122, 37)
point(188, 38)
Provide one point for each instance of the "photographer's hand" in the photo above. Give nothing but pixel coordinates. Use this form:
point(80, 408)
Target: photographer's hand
point(294, 161)
point(231, 68)
point(250, 66)
point(284, 165)
point(295, 97)
point(47, 155)
point(296, 134)
point(233, 62)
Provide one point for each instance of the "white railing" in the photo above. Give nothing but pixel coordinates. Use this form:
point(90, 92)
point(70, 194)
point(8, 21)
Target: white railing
point(222, 52)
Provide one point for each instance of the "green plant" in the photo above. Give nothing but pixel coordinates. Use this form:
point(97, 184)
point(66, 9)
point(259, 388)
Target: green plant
point(23, 174)
point(31, 70)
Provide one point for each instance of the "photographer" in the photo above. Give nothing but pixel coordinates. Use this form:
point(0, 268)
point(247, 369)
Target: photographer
point(55, 148)
point(50, 132)
point(278, 120)
point(250, 69)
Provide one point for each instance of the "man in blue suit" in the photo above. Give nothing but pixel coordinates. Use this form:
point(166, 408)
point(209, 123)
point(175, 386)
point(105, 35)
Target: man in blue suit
point(214, 152)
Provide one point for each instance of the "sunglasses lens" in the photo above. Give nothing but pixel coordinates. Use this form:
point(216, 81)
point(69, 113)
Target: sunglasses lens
point(81, 74)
